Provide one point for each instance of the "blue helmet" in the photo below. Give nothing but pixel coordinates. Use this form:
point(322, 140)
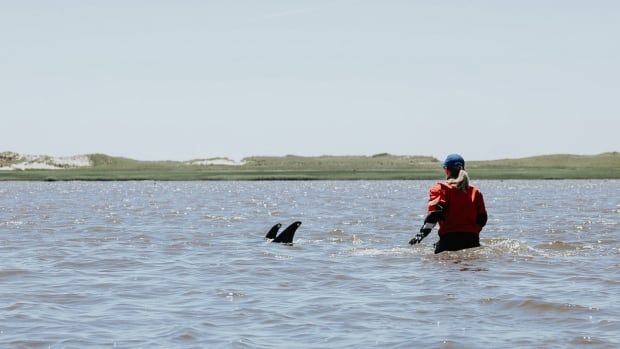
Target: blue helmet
point(454, 160)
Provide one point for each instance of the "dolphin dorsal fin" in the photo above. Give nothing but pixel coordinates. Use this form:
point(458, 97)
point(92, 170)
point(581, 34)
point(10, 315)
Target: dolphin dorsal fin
point(273, 231)
point(287, 235)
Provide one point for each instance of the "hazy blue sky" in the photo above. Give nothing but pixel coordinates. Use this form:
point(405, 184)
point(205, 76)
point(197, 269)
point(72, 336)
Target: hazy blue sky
point(196, 79)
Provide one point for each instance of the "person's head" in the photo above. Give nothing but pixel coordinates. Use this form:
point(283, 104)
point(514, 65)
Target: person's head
point(453, 164)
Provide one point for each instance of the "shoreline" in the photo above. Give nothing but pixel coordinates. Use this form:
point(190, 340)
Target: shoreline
point(206, 175)
point(101, 167)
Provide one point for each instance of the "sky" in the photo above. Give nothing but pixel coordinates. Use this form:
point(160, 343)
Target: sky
point(183, 80)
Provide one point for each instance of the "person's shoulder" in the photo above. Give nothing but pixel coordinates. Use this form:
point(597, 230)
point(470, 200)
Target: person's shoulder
point(440, 186)
point(475, 189)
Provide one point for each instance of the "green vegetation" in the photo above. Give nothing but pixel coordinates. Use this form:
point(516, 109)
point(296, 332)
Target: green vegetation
point(375, 167)
point(561, 166)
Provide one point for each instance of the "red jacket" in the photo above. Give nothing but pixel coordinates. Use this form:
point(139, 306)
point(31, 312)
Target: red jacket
point(463, 212)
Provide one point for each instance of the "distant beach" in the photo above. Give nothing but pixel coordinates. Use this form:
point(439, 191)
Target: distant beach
point(15, 166)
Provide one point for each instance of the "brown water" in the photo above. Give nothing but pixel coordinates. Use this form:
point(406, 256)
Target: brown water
point(185, 265)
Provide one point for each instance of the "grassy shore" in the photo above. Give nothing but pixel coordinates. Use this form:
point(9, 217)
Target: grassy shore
point(376, 167)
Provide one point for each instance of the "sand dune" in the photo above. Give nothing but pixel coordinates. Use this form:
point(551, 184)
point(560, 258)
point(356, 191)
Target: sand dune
point(15, 161)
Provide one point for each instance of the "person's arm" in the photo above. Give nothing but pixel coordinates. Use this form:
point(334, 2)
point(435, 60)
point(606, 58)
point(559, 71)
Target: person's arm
point(429, 223)
point(436, 208)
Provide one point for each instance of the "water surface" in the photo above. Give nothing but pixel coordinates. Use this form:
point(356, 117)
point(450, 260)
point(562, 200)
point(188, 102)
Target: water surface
point(184, 264)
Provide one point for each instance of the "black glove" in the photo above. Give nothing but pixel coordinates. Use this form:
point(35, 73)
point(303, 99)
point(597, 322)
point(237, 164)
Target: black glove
point(419, 236)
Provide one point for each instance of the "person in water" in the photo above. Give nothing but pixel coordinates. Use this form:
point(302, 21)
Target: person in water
point(458, 208)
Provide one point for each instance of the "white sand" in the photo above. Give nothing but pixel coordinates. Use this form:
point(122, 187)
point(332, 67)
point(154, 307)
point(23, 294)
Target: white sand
point(34, 166)
point(73, 161)
point(216, 161)
point(42, 162)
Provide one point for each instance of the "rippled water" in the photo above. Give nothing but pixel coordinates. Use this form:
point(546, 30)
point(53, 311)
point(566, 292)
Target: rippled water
point(184, 264)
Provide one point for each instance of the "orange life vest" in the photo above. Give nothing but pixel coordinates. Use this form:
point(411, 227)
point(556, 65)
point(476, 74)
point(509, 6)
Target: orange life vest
point(460, 209)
